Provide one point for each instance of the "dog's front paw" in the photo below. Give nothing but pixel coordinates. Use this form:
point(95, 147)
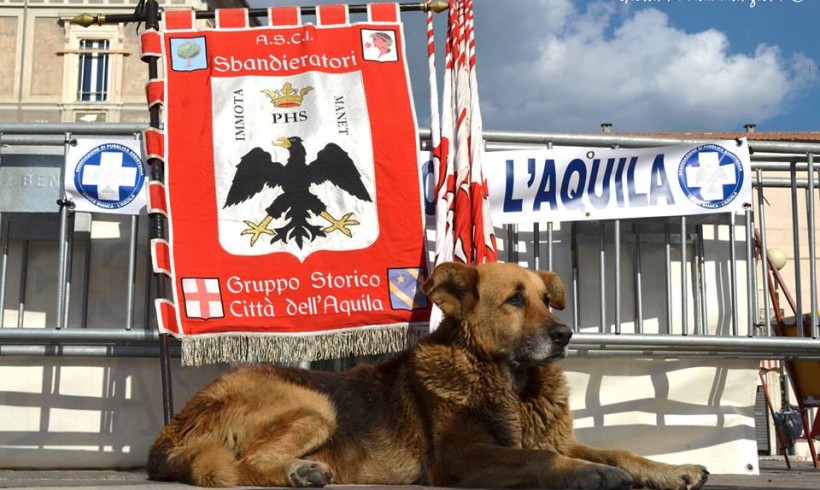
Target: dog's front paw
point(600, 477)
point(683, 477)
point(307, 473)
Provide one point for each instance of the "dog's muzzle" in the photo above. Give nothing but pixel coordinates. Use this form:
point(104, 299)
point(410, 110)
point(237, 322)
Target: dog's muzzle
point(549, 345)
point(560, 335)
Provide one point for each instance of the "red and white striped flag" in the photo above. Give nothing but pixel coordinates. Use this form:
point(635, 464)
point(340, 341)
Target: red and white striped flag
point(442, 166)
point(464, 231)
point(770, 364)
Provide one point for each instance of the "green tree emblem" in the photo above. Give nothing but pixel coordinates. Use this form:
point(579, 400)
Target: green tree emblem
point(188, 51)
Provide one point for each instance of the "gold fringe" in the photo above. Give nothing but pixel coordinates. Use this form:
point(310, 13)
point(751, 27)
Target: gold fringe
point(288, 349)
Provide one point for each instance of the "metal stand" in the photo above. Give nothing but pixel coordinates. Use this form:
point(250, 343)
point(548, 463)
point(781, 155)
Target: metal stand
point(86, 20)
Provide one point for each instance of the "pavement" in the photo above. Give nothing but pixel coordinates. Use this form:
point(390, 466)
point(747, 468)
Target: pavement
point(773, 476)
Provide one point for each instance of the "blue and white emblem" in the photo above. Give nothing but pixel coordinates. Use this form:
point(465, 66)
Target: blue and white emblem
point(110, 176)
point(711, 176)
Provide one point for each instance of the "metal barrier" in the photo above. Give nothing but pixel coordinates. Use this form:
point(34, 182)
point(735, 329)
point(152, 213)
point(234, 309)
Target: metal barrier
point(688, 287)
point(35, 221)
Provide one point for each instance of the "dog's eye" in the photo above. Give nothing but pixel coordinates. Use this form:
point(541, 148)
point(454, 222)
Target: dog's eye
point(516, 299)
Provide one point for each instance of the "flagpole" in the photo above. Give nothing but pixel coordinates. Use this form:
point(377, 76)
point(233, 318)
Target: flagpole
point(157, 221)
point(87, 20)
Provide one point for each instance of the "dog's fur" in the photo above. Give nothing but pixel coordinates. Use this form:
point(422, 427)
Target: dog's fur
point(478, 403)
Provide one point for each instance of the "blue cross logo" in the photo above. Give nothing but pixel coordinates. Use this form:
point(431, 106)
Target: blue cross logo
point(110, 176)
point(710, 176)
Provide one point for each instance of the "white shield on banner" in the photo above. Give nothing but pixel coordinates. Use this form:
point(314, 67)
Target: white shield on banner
point(105, 176)
point(310, 202)
point(202, 297)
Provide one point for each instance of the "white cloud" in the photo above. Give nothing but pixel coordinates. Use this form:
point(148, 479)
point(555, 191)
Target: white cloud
point(561, 69)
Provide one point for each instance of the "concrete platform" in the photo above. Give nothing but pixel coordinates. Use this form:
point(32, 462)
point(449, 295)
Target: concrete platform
point(773, 476)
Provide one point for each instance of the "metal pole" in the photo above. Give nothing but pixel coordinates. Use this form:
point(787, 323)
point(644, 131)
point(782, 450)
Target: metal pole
point(147, 295)
point(94, 335)
point(767, 300)
point(751, 277)
point(698, 282)
point(617, 276)
point(576, 299)
point(702, 344)
point(108, 351)
point(62, 247)
point(86, 284)
point(21, 304)
point(602, 274)
point(733, 273)
point(515, 248)
point(4, 234)
point(768, 155)
point(667, 240)
point(638, 289)
point(132, 274)
point(536, 246)
point(86, 20)
point(549, 245)
point(4, 237)
point(512, 243)
point(549, 233)
point(812, 253)
point(157, 229)
point(69, 260)
point(683, 279)
point(798, 293)
point(625, 141)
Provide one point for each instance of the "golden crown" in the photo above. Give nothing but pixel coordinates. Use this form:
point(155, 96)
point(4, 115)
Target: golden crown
point(287, 96)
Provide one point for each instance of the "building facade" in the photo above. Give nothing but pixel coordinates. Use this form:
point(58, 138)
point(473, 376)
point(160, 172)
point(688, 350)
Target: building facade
point(56, 71)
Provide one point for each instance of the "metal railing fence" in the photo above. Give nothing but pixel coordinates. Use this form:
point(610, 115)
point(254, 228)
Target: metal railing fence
point(34, 221)
point(651, 288)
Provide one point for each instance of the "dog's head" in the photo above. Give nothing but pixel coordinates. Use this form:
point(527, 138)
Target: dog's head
point(503, 309)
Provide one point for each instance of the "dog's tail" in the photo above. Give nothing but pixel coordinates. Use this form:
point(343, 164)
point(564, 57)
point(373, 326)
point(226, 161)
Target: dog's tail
point(163, 458)
point(158, 468)
point(178, 455)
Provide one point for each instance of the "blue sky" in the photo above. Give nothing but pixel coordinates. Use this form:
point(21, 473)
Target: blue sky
point(643, 65)
point(785, 24)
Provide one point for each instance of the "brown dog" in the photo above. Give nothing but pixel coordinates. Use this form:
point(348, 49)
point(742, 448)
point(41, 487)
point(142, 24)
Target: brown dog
point(478, 403)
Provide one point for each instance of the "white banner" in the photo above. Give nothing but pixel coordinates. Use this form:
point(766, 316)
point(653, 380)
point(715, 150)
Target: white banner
point(313, 99)
point(106, 176)
point(575, 184)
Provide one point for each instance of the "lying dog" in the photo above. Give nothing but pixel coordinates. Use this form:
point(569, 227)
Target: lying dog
point(480, 402)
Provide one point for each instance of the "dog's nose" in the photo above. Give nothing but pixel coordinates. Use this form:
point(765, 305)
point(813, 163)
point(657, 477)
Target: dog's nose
point(560, 334)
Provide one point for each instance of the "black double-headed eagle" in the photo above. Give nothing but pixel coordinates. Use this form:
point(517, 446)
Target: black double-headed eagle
point(296, 202)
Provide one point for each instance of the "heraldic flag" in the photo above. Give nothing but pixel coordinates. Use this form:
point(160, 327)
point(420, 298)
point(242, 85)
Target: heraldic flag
point(464, 230)
point(291, 190)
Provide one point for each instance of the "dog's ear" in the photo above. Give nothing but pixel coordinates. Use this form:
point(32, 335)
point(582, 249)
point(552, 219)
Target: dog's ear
point(452, 287)
point(555, 289)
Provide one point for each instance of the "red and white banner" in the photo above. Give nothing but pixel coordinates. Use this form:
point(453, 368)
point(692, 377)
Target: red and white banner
point(463, 229)
point(292, 187)
point(464, 232)
point(770, 364)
